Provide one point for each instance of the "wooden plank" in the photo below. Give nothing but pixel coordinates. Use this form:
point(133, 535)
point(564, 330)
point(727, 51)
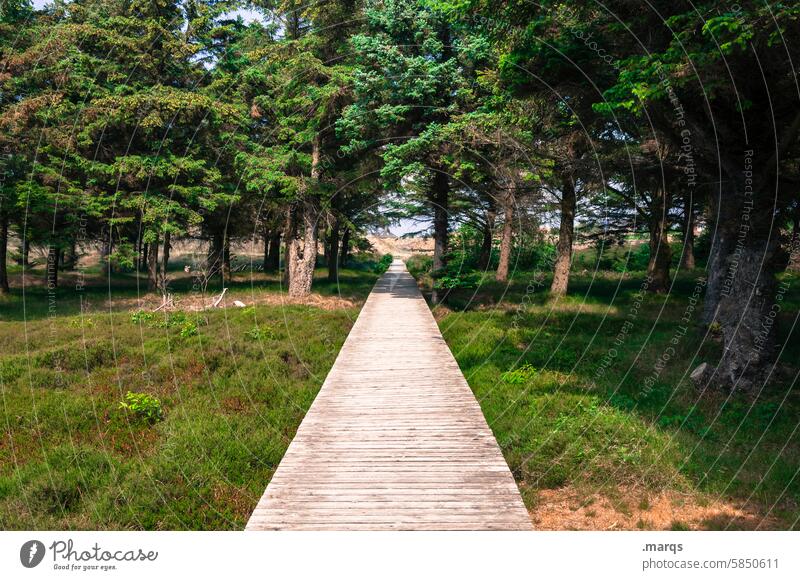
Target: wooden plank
point(395, 439)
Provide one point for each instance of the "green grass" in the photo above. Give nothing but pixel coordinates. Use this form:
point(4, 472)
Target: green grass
point(567, 413)
point(232, 386)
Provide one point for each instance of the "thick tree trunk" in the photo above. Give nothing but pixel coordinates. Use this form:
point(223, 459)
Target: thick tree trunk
point(333, 253)
point(722, 222)
point(301, 260)
point(566, 235)
point(51, 276)
point(485, 255)
point(4, 288)
point(152, 265)
point(742, 293)
point(165, 262)
point(747, 315)
point(344, 254)
point(506, 238)
point(660, 253)
point(687, 258)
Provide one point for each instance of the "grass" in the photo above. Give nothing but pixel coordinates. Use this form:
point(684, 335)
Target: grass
point(216, 398)
point(586, 393)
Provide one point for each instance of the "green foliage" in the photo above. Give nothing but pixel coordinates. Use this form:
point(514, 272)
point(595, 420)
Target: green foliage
point(519, 375)
point(464, 280)
point(260, 333)
point(188, 328)
point(142, 406)
point(419, 265)
point(383, 264)
point(141, 316)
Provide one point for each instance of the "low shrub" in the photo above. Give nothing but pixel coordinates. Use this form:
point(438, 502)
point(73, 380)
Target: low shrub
point(518, 376)
point(383, 264)
point(143, 407)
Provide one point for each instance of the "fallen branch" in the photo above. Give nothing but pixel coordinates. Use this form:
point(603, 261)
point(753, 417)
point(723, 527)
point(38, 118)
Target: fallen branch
point(166, 302)
point(219, 298)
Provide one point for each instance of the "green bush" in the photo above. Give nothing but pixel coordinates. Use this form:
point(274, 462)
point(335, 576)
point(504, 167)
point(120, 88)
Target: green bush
point(143, 407)
point(141, 316)
point(634, 260)
point(188, 328)
point(383, 264)
point(419, 264)
point(260, 333)
point(465, 280)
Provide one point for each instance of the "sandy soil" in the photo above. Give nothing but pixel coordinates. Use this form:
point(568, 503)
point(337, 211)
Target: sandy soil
point(625, 509)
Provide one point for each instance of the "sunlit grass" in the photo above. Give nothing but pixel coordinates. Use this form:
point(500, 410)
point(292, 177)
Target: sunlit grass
point(71, 458)
point(584, 419)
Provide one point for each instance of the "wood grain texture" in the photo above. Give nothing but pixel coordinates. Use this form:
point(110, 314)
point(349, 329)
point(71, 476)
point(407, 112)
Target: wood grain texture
point(395, 439)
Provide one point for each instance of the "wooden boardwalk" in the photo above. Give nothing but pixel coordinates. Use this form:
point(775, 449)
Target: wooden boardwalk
point(395, 439)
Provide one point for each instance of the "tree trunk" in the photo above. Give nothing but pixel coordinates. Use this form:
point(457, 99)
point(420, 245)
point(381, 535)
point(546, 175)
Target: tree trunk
point(344, 254)
point(274, 255)
point(214, 259)
point(70, 259)
point(506, 238)
point(301, 260)
point(4, 288)
point(25, 251)
point(165, 262)
point(485, 256)
point(566, 235)
point(142, 265)
point(333, 253)
point(266, 264)
point(226, 260)
point(439, 194)
point(660, 253)
point(687, 258)
point(742, 293)
point(439, 197)
point(53, 257)
point(152, 265)
point(289, 236)
point(105, 257)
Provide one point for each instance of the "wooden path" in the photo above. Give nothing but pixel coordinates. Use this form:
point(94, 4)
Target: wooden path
point(395, 439)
